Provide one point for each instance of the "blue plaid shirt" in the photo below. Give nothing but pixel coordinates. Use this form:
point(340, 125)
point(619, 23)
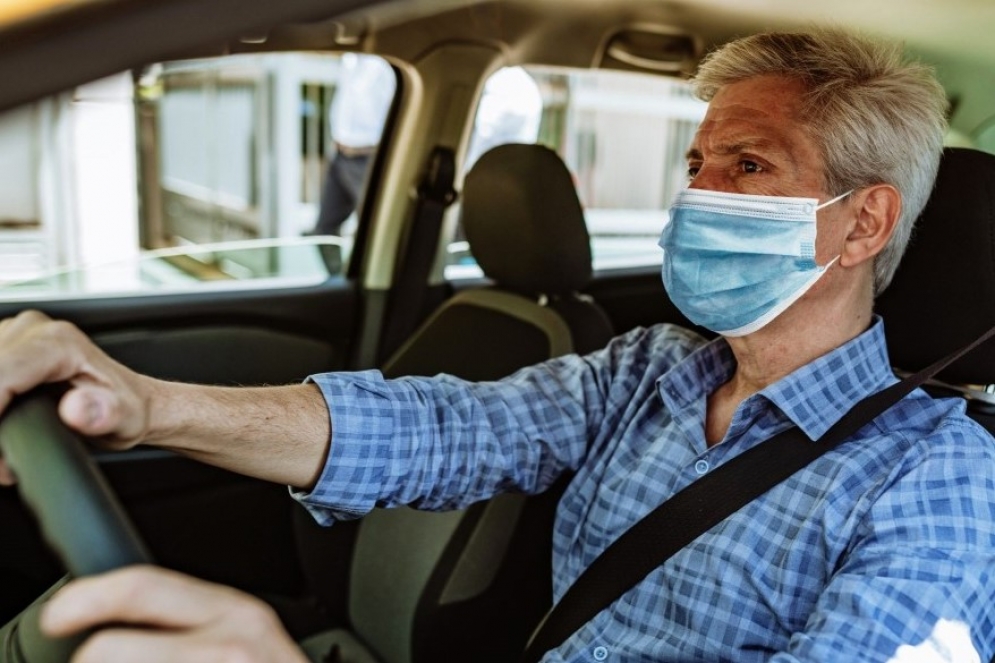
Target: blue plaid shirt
point(876, 545)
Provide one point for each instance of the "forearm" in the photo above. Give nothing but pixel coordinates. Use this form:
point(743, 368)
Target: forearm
point(279, 434)
point(443, 443)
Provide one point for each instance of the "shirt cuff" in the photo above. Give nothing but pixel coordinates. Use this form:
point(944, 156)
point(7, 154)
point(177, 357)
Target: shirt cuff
point(362, 416)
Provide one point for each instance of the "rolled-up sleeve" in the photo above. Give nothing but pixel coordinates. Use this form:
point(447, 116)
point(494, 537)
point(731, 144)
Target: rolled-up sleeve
point(443, 443)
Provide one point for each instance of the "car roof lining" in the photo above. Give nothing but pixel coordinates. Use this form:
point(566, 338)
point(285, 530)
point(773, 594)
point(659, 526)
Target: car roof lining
point(65, 43)
point(56, 50)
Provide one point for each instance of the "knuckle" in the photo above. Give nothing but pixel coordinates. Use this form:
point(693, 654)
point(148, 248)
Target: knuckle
point(61, 329)
point(26, 318)
point(255, 616)
point(128, 586)
point(31, 315)
point(29, 319)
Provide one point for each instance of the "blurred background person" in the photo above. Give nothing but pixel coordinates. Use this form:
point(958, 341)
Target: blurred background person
point(358, 111)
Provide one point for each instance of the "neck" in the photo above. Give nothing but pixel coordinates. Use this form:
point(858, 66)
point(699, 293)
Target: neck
point(810, 328)
point(770, 354)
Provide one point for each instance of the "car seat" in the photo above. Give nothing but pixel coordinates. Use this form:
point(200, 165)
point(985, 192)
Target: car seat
point(526, 230)
point(941, 296)
point(471, 585)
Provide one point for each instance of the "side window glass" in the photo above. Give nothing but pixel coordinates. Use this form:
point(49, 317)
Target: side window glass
point(24, 247)
point(509, 111)
point(358, 110)
point(191, 175)
point(262, 146)
point(984, 137)
point(623, 136)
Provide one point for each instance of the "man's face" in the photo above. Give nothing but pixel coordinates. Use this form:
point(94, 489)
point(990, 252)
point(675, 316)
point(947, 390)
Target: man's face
point(752, 140)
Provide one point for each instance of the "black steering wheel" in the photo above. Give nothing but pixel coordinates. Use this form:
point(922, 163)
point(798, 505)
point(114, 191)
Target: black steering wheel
point(79, 515)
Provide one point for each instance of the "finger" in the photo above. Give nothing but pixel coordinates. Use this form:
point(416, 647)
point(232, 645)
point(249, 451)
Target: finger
point(122, 645)
point(209, 645)
point(29, 359)
point(144, 595)
point(7, 477)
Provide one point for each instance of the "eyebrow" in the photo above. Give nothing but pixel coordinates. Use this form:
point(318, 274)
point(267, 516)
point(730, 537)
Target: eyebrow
point(739, 147)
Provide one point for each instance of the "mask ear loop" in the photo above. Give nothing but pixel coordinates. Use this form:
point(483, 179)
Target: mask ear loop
point(834, 200)
point(827, 204)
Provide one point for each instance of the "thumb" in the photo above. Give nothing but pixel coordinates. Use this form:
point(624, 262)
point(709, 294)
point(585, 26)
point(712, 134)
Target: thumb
point(91, 410)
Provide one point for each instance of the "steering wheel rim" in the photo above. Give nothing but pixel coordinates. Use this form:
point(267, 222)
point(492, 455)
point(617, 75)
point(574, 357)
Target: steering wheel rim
point(79, 515)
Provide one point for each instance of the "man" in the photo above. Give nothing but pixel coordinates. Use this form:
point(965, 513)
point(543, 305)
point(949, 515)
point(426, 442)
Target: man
point(356, 119)
point(816, 153)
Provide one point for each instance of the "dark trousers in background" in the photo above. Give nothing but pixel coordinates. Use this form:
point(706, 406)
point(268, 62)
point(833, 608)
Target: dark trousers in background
point(345, 179)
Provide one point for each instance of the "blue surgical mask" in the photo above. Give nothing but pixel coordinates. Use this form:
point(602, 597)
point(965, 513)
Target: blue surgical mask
point(733, 262)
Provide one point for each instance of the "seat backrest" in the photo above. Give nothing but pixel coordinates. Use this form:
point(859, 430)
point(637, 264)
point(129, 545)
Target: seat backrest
point(943, 294)
point(526, 229)
point(471, 585)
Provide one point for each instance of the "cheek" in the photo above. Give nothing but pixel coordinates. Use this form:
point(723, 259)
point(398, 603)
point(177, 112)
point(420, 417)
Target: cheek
point(829, 238)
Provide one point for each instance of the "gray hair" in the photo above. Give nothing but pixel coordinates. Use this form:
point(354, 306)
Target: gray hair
point(877, 117)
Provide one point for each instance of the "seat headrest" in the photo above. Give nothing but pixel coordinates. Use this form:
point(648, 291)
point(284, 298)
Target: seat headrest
point(524, 222)
point(943, 294)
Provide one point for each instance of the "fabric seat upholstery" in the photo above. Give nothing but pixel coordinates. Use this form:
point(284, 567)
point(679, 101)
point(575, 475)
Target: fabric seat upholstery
point(943, 294)
point(526, 229)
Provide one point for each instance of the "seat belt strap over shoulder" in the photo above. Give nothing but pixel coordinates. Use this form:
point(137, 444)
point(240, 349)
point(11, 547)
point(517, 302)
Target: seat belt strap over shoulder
point(435, 195)
point(705, 503)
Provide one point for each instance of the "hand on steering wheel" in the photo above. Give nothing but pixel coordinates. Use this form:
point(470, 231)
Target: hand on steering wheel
point(154, 614)
point(79, 516)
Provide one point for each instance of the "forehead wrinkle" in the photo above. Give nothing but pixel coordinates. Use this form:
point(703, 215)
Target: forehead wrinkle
point(732, 141)
point(765, 116)
point(728, 148)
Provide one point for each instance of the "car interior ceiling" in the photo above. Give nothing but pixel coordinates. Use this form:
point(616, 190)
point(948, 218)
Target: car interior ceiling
point(534, 32)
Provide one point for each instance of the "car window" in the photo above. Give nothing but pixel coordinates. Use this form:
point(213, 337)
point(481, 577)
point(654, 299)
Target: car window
point(622, 135)
point(984, 136)
point(186, 154)
point(284, 262)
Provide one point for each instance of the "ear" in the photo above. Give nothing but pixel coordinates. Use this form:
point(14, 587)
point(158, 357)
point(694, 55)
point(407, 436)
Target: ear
point(877, 210)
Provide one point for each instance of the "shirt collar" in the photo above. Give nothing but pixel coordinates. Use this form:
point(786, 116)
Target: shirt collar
point(816, 395)
point(813, 397)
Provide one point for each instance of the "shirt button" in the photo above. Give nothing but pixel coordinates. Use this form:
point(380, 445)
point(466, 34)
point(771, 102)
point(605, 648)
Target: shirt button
point(600, 653)
point(701, 466)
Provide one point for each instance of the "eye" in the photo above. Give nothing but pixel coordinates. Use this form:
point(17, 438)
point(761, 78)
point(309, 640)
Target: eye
point(692, 171)
point(750, 166)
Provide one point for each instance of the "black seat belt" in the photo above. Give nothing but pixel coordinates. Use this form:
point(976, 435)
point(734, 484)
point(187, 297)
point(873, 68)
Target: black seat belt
point(435, 194)
point(702, 505)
